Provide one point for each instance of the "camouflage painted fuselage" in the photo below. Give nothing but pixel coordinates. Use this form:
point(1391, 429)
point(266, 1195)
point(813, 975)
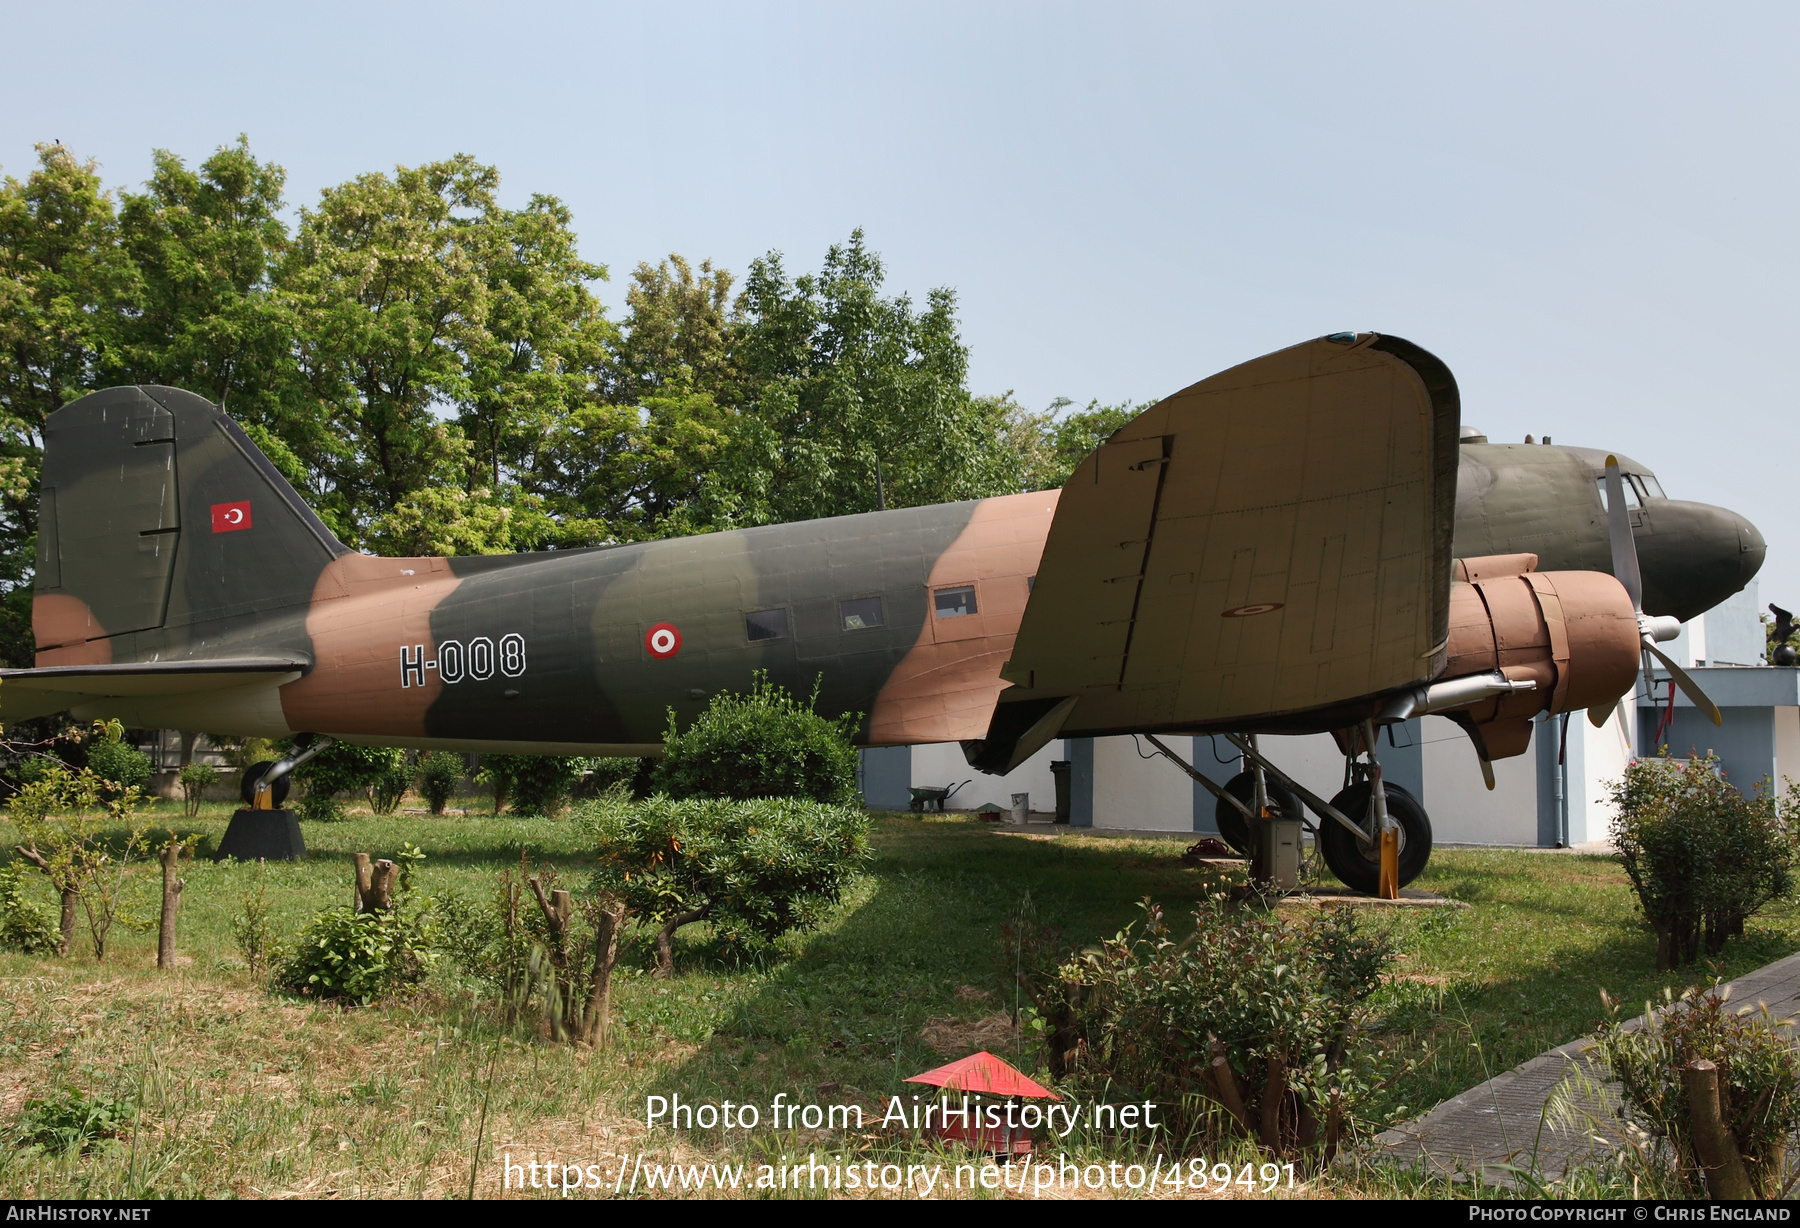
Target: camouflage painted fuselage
point(167, 537)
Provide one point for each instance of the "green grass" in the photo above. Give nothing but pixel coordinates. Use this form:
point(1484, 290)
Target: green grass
point(237, 1091)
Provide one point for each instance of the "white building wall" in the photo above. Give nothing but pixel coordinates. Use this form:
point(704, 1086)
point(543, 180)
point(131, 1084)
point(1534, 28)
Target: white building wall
point(1461, 808)
point(942, 763)
point(1312, 759)
point(1605, 753)
point(1787, 747)
point(1141, 794)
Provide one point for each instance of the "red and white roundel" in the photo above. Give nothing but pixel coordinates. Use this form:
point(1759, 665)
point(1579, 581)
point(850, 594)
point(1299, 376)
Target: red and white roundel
point(1250, 611)
point(663, 640)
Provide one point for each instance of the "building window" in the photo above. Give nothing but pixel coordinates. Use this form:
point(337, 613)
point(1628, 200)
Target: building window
point(955, 602)
point(860, 613)
point(766, 625)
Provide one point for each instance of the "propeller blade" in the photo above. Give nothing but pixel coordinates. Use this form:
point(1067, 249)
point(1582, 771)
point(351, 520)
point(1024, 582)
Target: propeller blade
point(1688, 686)
point(1624, 548)
point(1599, 715)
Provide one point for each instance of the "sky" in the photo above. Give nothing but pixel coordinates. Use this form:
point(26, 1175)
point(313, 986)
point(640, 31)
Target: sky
point(1588, 211)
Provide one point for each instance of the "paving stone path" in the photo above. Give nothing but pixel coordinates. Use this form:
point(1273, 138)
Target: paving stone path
point(1501, 1124)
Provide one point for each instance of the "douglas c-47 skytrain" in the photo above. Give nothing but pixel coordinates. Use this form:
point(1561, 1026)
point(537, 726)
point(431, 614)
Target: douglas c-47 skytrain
point(1298, 544)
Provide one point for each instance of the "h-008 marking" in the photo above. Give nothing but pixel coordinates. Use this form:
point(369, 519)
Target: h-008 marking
point(455, 662)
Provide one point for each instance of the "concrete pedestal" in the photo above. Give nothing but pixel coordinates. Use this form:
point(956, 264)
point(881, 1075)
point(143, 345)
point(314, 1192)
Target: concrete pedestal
point(271, 834)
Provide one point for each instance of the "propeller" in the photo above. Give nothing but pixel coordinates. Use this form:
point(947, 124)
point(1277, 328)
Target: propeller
point(1650, 630)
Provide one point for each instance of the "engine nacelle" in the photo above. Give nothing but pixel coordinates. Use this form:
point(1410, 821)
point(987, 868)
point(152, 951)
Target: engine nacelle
point(1573, 633)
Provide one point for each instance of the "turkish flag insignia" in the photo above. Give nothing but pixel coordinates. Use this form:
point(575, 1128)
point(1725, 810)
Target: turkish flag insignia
point(230, 517)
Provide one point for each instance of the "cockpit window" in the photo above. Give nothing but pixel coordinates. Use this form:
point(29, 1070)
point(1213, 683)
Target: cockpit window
point(1647, 486)
point(1632, 497)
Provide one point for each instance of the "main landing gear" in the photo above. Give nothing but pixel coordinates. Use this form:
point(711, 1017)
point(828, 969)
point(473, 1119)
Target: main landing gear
point(1373, 834)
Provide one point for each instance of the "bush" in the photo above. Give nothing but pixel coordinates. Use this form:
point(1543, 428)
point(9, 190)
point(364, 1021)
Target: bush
point(1759, 1083)
point(754, 869)
point(344, 767)
point(358, 957)
point(534, 784)
point(120, 765)
point(1702, 858)
point(1280, 998)
point(195, 779)
point(390, 784)
point(635, 776)
point(439, 772)
point(24, 925)
point(764, 743)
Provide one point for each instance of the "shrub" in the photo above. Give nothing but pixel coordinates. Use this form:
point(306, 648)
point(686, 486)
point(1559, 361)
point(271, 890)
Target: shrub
point(195, 779)
point(120, 765)
point(439, 773)
point(604, 775)
point(24, 925)
point(344, 767)
point(754, 869)
point(1702, 858)
point(1258, 1012)
point(254, 927)
point(390, 784)
point(1758, 1078)
point(534, 784)
point(358, 957)
point(764, 743)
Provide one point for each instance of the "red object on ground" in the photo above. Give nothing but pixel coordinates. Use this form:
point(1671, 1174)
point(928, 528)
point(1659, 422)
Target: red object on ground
point(983, 1073)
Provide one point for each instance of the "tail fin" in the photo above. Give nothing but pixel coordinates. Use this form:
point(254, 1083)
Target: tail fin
point(159, 513)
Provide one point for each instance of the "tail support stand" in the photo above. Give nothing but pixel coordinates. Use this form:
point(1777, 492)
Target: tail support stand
point(1387, 831)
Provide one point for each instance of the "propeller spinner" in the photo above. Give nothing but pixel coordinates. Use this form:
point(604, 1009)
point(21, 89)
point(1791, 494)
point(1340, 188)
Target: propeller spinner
point(1651, 630)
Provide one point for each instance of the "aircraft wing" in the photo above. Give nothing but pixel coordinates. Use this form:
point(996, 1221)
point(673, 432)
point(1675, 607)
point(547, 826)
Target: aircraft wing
point(26, 693)
point(1273, 540)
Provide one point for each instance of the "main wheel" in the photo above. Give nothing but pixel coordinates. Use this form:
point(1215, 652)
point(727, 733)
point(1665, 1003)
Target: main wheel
point(254, 773)
point(1357, 861)
point(1230, 820)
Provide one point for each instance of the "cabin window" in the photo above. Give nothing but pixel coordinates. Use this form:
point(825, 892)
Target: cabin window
point(766, 625)
point(860, 613)
point(955, 602)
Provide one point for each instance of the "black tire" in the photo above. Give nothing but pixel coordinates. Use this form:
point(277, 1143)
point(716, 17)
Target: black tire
point(1232, 827)
point(1357, 863)
point(254, 773)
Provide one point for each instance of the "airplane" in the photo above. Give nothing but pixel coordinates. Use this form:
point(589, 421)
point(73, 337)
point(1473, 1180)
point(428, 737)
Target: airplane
point(1301, 543)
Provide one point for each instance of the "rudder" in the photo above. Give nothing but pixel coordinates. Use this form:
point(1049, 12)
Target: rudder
point(159, 513)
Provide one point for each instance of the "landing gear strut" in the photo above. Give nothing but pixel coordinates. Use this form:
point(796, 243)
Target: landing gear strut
point(1352, 828)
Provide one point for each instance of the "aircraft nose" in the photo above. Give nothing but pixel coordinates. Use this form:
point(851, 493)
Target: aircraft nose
point(1694, 556)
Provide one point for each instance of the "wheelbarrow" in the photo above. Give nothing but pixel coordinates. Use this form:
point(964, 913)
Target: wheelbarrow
point(932, 797)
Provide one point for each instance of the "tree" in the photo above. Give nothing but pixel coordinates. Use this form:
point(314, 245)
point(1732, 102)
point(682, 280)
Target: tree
point(205, 245)
point(64, 283)
point(855, 401)
point(387, 282)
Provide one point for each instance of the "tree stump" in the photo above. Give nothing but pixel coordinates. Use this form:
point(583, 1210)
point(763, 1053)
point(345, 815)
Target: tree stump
point(172, 884)
point(1723, 1166)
